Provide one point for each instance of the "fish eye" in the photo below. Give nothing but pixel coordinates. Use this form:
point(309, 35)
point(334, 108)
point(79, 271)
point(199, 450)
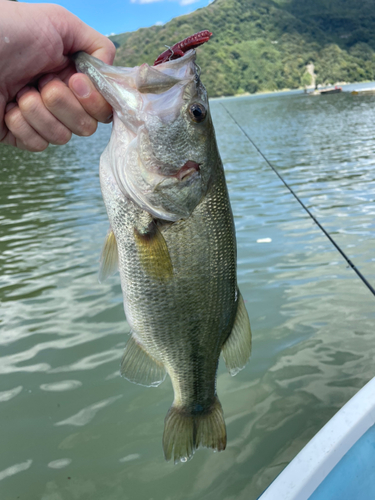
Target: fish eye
point(197, 112)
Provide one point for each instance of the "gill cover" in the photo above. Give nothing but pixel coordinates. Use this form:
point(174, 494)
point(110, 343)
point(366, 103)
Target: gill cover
point(159, 153)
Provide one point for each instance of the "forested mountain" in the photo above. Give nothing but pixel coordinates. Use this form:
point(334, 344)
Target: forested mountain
point(266, 44)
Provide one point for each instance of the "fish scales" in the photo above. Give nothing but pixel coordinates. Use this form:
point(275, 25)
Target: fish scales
point(172, 233)
point(195, 302)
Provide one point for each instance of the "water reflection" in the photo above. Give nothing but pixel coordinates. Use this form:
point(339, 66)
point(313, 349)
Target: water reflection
point(85, 416)
point(7, 395)
point(15, 469)
point(60, 464)
point(92, 434)
point(63, 385)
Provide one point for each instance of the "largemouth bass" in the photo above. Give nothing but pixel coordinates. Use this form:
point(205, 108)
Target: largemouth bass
point(172, 238)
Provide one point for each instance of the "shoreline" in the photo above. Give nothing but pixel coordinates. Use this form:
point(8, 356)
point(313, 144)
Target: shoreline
point(247, 94)
point(299, 89)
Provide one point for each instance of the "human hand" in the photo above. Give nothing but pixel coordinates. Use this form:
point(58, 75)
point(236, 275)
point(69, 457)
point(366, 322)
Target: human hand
point(42, 98)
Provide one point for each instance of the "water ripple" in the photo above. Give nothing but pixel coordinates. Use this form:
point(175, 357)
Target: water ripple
point(7, 395)
point(85, 416)
point(63, 385)
point(15, 469)
point(60, 463)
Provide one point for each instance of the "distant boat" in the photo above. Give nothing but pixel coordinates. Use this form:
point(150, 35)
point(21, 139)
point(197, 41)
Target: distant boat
point(363, 91)
point(335, 90)
point(331, 90)
point(339, 461)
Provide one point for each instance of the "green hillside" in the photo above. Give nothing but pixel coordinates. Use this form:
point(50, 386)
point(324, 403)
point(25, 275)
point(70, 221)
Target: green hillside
point(266, 45)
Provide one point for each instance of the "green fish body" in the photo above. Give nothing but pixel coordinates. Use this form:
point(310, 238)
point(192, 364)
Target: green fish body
point(172, 238)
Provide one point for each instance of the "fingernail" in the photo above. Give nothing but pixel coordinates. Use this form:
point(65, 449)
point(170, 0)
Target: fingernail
point(22, 91)
point(44, 80)
point(109, 118)
point(81, 87)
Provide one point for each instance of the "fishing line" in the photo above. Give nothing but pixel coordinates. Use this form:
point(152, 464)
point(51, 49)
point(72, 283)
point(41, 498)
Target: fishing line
point(303, 206)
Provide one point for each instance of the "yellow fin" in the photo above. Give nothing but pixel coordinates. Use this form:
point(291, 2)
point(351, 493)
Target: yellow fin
point(109, 257)
point(153, 253)
point(139, 367)
point(237, 347)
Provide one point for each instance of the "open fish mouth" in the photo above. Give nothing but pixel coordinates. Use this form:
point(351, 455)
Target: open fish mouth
point(189, 169)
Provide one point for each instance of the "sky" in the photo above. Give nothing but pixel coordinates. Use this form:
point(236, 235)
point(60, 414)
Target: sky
point(118, 16)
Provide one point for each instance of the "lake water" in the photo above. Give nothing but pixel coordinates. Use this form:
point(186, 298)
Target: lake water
point(70, 426)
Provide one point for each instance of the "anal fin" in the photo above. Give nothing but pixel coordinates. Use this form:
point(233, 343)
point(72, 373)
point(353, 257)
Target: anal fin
point(139, 367)
point(237, 347)
point(109, 257)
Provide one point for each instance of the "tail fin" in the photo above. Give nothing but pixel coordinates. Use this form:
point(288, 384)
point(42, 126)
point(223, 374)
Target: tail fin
point(184, 432)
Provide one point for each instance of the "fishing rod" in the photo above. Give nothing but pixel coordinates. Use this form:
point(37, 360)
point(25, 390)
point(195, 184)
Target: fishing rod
point(360, 275)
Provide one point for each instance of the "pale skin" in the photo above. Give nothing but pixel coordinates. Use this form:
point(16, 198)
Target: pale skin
point(43, 100)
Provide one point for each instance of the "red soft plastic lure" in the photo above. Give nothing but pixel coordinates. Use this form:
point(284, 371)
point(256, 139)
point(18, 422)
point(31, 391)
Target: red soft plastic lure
point(179, 49)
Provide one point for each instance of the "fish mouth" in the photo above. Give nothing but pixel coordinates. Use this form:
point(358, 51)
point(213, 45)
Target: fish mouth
point(186, 171)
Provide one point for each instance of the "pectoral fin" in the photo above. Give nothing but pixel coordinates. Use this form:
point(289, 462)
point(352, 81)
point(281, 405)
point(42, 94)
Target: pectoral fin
point(237, 348)
point(139, 367)
point(109, 257)
point(153, 252)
